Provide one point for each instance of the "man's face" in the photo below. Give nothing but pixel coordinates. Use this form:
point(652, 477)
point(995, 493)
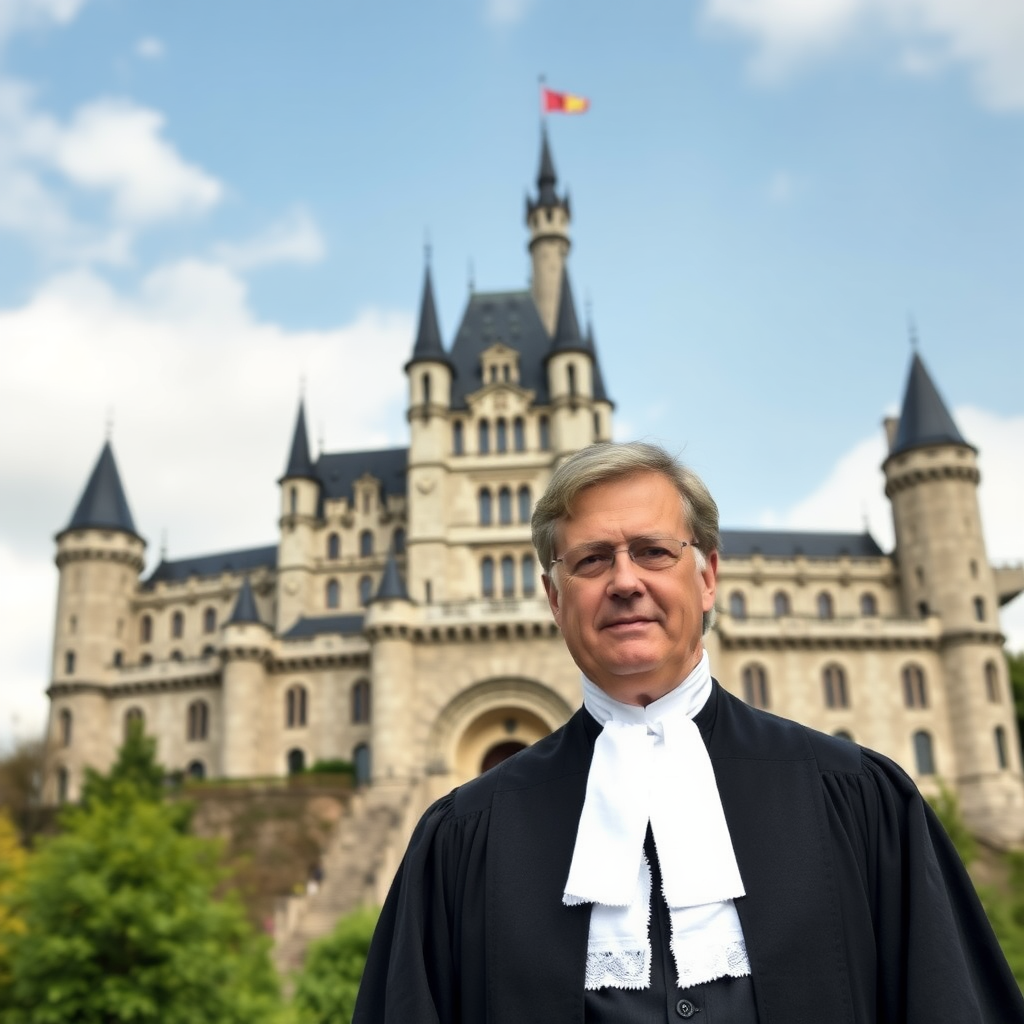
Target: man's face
point(634, 632)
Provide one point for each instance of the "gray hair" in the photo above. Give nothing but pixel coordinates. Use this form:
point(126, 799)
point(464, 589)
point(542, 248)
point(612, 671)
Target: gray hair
point(600, 463)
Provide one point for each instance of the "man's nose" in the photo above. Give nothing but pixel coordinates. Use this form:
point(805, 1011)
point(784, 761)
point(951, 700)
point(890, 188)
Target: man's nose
point(624, 579)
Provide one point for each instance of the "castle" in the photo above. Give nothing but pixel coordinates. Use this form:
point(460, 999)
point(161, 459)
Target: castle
point(398, 621)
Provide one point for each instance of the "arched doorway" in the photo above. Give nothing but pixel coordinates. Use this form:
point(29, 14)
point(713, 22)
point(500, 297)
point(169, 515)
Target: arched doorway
point(500, 752)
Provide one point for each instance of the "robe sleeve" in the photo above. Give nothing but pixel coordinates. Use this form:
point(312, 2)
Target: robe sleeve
point(936, 957)
point(426, 956)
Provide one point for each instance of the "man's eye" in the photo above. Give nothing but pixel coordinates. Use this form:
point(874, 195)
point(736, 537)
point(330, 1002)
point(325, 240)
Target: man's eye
point(589, 561)
point(651, 551)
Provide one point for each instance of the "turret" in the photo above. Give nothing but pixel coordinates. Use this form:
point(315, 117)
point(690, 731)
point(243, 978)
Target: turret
point(548, 219)
point(300, 515)
point(603, 405)
point(429, 370)
point(570, 370)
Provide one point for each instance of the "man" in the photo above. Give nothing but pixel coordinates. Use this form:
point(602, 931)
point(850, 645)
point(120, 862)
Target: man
point(671, 853)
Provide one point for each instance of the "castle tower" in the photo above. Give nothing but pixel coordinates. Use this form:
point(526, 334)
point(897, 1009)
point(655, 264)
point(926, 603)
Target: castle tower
point(99, 556)
point(932, 479)
point(246, 649)
point(300, 513)
point(548, 219)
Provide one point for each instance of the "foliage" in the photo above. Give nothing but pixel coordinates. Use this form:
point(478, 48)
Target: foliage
point(21, 773)
point(335, 766)
point(1015, 664)
point(12, 868)
point(325, 991)
point(947, 808)
point(135, 769)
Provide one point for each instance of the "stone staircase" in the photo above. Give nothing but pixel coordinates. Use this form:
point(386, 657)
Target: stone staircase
point(359, 854)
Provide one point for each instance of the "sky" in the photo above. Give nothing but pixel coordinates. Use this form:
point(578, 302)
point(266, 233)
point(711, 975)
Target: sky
point(208, 210)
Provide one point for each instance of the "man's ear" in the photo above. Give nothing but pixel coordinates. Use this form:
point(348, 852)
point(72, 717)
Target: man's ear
point(551, 589)
point(710, 578)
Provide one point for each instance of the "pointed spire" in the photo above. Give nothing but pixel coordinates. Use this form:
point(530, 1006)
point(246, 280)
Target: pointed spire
point(600, 392)
point(924, 419)
point(546, 177)
point(428, 337)
point(103, 502)
point(299, 462)
point(567, 328)
point(245, 606)
point(392, 586)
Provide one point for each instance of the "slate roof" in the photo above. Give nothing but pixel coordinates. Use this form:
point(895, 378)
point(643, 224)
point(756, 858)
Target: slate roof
point(346, 625)
point(428, 337)
point(337, 472)
point(179, 570)
point(245, 606)
point(103, 503)
point(790, 543)
point(392, 586)
point(924, 420)
point(299, 462)
point(567, 329)
point(546, 180)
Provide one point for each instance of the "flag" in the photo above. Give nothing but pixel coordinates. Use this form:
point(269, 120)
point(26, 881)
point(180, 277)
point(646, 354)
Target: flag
point(562, 102)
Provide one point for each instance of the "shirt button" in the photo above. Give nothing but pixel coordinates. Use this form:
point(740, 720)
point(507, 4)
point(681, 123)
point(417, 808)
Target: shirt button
point(686, 1009)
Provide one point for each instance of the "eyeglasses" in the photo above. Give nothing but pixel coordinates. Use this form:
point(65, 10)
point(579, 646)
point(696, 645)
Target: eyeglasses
point(589, 561)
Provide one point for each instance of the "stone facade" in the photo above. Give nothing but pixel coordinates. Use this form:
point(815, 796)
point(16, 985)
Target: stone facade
point(399, 620)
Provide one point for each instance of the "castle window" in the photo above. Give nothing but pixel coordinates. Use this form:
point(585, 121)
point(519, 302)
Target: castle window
point(597, 426)
point(458, 440)
point(484, 437)
point(755, 686)
point(428, 591)
point(544, 432)
point(146, 629)
point(118, 659)
point(177, 625)
point(868, 605)
point(979, 609)
point(332, 594)
point(524, 504)
point(519, 434)
point(295, 707)
point(366, 543)
point(834, 679)
point(361, 702)
point(146, 659)
point(922, 609)
point(426, 388)
point(366, 503)
point(296, 761)
point(209, 620)
point(484, 502)
point(69, 663)
point(915, 694)
point(737, 605)
point(293, 500)
point(62, 785)
point(333, 546)
point(398, 541)
point(487, 577)
point(1002, 759)
point(506, 372)
point(504, 506)
point(825, 606)
point(209, 651)
point(196, 770)
point(501, 436)
point(974, 569)
point(919, 574)
point(992, 682)
point(365, 590)
point(780, 602)
point(571, 372)
point(65, 728)
point(924, 755)
point(361, 760)
point(134, 720)
point(176, 655)
point(508, 577)
point(529, 576)
point(494, 372)
point(197, 720)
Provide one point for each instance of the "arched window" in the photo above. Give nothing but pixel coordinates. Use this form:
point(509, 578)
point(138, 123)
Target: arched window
point(196, 770)
point(146, 659)
point(295, 707)
point(176, 655)
point(209, 650)
point(134, 719)
point(505, 506)
point(529, 576)
point(365, 590)
point(487, 577)
point(69, 663)
point(198, 721)
point(361, 702)
point(458, 438)
point(63, 785)
point(915, 694)
point(979, 609)
point(755, 686)
point(361, 760)
point(333, 546)
point(924, 756)
point(484, 502)
point(825, 607)
point(501, 436)
point(737, 605)
point(508, 576)
point(571, 372)
point(523, 499)
point(146, 629)
point(992, 682)
point(65, 728)
point(332, 594)
point(1002, 757)
point(868, 605)
point(484, 437)
point(780, 602)
point(426, 388)
point(398, 541)
point(544, 433)
point(293, 500)
point(519, 434)
point(366, 543)
point(177, 625)
point(118, 659)
point(834, 679)
point(209, 620)
point(296, 761)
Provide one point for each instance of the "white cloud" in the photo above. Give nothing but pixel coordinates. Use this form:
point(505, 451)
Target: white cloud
point(507, 12)
point(18, 15)
point(986, 36)
point(150, 48)
point(294, 239)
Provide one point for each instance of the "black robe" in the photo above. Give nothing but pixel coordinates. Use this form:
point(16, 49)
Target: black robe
point(857, 907)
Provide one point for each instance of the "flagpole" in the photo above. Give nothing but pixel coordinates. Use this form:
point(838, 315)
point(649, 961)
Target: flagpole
point(541, 82)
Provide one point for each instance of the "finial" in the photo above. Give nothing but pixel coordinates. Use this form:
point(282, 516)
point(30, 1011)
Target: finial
point(426, 247)
point(472, 284)
point(163, 544)
point(320, 438)
point(302, 387)
point(588, 307)
point(108, 424)
point(912, 329)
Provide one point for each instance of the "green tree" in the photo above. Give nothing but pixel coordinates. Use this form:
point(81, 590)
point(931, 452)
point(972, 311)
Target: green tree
point(1015, 664)
point(136, 770)
point(325, 991)
point(12, 868)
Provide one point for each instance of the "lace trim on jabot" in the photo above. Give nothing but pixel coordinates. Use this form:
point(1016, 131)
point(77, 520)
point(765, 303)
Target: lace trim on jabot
point(618, 968)
point(698, 962)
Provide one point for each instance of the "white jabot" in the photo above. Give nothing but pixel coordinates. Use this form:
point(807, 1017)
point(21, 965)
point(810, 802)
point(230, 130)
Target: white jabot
point(650, 765)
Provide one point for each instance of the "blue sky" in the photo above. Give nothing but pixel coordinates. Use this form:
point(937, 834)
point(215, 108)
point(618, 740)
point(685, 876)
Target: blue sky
point(203, 205)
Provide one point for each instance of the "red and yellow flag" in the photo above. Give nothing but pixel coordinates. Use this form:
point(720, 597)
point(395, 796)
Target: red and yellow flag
point(562, 102)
